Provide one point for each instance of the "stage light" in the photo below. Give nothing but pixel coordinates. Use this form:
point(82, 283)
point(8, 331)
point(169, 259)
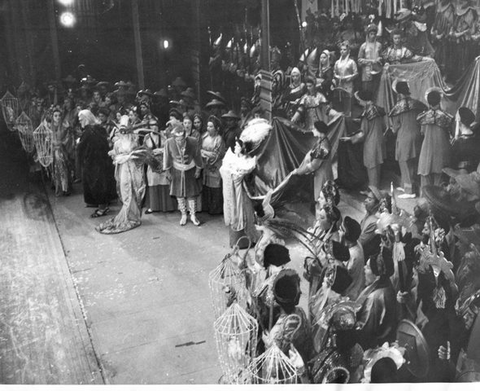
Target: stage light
point(67, 19)
point(66, 2)
point(165, 44)
point(304, 24)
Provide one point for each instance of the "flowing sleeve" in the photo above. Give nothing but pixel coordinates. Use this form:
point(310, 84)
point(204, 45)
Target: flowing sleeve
point(167, 156)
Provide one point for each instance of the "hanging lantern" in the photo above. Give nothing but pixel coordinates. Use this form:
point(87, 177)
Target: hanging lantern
point(25, 131)
point(228, 280)
point(9, 109)
point(236, 339)
point(42, 137)
point(272, 367)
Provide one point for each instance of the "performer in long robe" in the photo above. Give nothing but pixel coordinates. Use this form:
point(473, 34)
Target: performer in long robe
point(97, 168)
point(294, 92)
point(158, 192)
point(377, 319)
point(62, 178)
point(369, 59)
point(345, 71)
point(444, 18)
point(371, 133)
point(212, 151)
point(129, 173)
point(325, 74)
point(238, 209)
point(183, 163)
point(408, 144)
point(435, 153)
point(463, 28)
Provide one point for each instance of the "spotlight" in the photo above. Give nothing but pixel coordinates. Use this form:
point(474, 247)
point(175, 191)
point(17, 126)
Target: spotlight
point(66, 2)
point(304, 24)
point(67, 19)
point(166, 44)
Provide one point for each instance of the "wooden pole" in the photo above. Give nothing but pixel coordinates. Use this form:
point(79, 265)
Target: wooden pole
point(265, 53)
point(138, 45)
point(54, 39)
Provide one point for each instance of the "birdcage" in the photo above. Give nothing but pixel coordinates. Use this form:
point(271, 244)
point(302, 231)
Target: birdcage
point(272, 367)
point(9, 109)
point(42, 137)
point(25, 132)
point(236, 339)
point(228, 275)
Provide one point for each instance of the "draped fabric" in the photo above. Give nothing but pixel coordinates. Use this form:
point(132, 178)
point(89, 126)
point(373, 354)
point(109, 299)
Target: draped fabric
point(426, 74)
point(284, 150)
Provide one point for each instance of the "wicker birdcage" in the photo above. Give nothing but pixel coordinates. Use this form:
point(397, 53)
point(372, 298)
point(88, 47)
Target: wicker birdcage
point(9, 109)
point(42, 137)
point(25, 132)
point(236, 339)
point(272, 367)
point(228, 279)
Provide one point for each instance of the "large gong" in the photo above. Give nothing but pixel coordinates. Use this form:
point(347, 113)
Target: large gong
point(416, 355)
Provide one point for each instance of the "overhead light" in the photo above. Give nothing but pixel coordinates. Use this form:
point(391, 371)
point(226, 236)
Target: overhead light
point(66, 2)
point(166, 44)
point(304, 24)
point(67, 19)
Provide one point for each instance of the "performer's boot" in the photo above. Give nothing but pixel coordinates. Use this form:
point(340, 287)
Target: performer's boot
point(192, 206)
point(182, 207)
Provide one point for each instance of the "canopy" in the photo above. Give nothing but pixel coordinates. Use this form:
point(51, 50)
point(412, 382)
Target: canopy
point(284, 150)
point(425, 74)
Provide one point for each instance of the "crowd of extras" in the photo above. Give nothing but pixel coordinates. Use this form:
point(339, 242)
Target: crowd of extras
point(161, 151)
point(364, 276)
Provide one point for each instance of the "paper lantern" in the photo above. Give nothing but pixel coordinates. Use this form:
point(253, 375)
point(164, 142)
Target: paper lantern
point(272, 367)
point(236, 340)
point(25, 132)
point(9, 109)
point(42, 137)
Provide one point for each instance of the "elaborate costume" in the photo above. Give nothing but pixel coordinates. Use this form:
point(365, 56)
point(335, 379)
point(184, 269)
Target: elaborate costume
point(404, 117)
point(435, 153)
point(213, 150)
point(158, 191)
point(377, 317)
point(97, 168)
point(237, 208)
point(183, 161)
point(369, 58)
point(130, 184)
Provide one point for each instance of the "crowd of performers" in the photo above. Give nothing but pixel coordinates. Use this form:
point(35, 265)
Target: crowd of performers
point(365, 276)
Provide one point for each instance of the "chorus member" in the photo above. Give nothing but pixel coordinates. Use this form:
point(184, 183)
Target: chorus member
point(466, 141)
point(62, 178)
point(377, 318)
point(345, 72)
point(369, 58)
point(435, 128)
point(183, 163)
point(130, 177)
point(404, 117)
point(312, 107)
point(239, 215)
point(325, 74)
point(351, 231)
point(371, 133)
point(158, 198)
point(97, 168)
point(295, 90)
point(212, 151)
